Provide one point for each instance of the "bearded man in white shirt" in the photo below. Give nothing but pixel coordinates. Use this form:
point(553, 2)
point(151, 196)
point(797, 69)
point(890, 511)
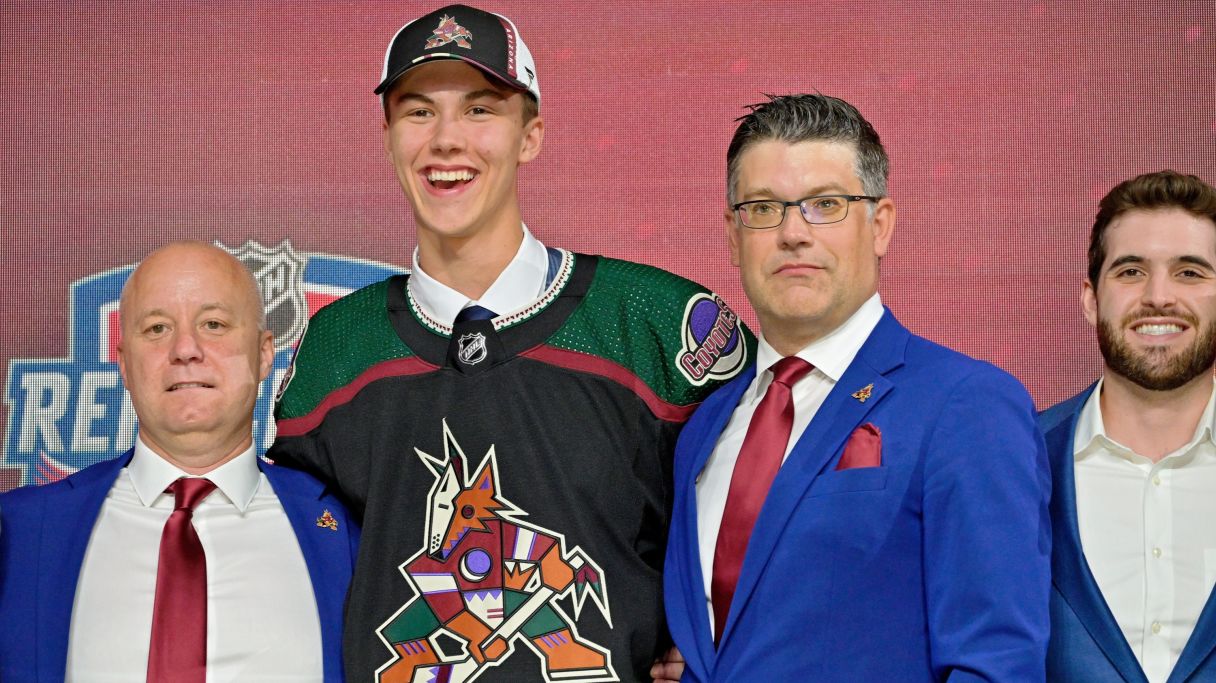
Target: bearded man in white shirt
point(187, 559)
point(1133, 456)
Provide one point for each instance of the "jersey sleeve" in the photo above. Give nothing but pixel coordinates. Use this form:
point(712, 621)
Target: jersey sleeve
point(348, 344)
point(677, 337)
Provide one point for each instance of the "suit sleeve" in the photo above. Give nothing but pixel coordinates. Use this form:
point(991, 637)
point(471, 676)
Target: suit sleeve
point(987, 534)
point(23, 515)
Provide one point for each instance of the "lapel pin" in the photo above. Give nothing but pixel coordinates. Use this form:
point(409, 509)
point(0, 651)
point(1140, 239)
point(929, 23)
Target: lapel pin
point(863, 393)
point(327, 521)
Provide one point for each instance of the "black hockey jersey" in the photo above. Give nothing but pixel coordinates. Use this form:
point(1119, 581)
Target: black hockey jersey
point(513, 476)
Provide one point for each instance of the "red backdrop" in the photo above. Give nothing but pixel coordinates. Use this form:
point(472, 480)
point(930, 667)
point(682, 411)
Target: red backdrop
point(130, 124)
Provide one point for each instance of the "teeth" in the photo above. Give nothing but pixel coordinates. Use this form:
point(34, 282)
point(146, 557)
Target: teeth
point(186, 385)
point(1158, 329)
point(449, 176)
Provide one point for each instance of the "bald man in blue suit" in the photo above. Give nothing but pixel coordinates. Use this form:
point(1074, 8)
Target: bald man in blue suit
point(79, 558)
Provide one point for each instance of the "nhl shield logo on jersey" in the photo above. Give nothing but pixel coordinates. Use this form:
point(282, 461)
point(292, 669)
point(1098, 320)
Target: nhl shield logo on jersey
point(713, 347)
point(280, 276)
point(471, 348)
point(449, 31)
point(68, 413)
point(486, 582)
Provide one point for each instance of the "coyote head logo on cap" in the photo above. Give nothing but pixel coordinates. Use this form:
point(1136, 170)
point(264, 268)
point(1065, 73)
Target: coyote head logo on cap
point(449, 31)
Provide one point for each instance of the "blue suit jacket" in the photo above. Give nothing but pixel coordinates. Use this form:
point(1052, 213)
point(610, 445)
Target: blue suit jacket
point(1086, 643)
point(46, 530)
point(932, 566)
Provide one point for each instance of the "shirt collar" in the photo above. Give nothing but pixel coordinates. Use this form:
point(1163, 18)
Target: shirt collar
point(1090, 434)
point(519, 284)
point(151, 474)
point(832, 353)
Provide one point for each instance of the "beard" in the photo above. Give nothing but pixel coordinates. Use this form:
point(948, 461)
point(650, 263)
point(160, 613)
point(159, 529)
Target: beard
point(1155, 368)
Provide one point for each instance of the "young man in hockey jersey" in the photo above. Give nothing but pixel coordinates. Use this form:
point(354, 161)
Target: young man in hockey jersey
point(503, 418)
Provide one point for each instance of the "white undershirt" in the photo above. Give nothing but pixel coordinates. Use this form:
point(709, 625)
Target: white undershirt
point(518, 285)
point(262, 622)
point(1148, 533)
point(831, 356)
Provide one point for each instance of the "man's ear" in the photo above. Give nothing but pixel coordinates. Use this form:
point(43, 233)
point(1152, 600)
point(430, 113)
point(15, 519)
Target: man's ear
point(1089, 302)
point(884, 225)
point(120, 351)
point(732, 235)
point(534, 135)
point(265, 355)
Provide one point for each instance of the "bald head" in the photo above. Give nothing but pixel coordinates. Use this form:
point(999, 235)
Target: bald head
point(176, 254)
point(193, 353)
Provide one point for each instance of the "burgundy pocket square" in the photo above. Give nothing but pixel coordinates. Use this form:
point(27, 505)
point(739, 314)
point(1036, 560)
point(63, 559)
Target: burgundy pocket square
point(864, 449)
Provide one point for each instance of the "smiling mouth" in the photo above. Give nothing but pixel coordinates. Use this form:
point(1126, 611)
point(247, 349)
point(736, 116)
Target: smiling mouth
point(1157, 329)
point(190, 385)
point(446, 180)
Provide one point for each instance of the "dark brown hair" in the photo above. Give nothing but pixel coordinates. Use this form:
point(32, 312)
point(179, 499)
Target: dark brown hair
point(1148, 192)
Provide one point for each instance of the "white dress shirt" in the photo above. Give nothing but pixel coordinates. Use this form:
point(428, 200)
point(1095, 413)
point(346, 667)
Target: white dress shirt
point(519, 284)
point(1148, 533)
point(262, 622)
point(831, 356)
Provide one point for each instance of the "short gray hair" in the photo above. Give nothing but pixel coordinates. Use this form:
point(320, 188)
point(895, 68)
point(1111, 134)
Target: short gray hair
point(806, 118)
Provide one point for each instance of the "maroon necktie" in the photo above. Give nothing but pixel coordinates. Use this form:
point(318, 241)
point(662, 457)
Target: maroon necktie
point(759, 459)
point(178, 649)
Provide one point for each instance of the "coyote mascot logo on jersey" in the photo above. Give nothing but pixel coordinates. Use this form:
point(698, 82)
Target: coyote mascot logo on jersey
point(487, 581)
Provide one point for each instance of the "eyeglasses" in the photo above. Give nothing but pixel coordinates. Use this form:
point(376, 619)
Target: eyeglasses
point(818, 210)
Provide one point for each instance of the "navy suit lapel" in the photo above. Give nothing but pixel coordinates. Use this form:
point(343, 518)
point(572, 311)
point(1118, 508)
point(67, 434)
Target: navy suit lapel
point(304, 510)
point(328, 552)
point(835, 420)
point(720, 406)
point(1070, 572)
point(70, 514)
point(1200, 644)
point(710, 420)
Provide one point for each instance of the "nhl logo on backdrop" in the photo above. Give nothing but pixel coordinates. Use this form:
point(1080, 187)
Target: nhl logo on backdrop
point(713, 348)
point(279, 272)
point(67, 413)
point(471, 348)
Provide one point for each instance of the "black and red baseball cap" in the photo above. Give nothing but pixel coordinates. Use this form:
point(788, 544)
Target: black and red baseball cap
point(483, 39)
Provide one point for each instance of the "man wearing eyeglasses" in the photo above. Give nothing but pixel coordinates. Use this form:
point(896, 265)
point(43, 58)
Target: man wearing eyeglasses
point(865, 505)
